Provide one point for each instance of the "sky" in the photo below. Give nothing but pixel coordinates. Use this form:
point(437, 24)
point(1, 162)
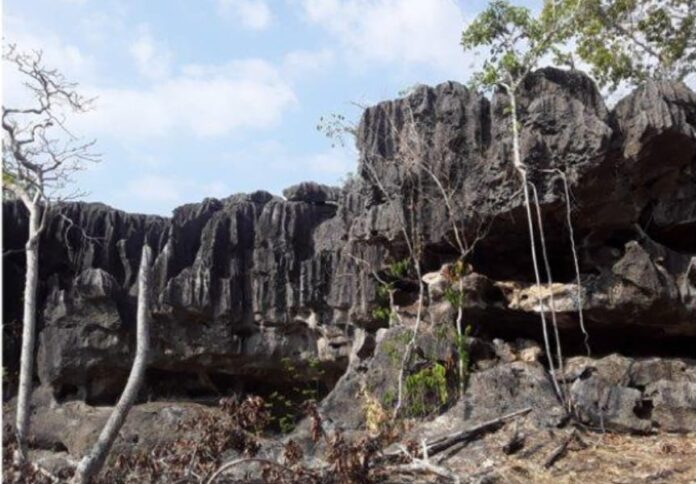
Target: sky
point(208, 98)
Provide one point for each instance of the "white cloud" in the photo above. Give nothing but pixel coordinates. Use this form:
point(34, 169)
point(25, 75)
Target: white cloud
point(152, 60)
point(253, 14)
point(336, 162)
point(301, 63)
point(72, 61)
point(203, 100)
point(325, 166)
point(394, 31)
point(199, 100)
point(162, 189)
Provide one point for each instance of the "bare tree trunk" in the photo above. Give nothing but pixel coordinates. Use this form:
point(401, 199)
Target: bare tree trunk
point(522, 170)
point(460, 335)
point(26, 371)
point(91, 464)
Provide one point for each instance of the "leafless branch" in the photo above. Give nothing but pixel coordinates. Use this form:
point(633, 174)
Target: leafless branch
point(229, 465)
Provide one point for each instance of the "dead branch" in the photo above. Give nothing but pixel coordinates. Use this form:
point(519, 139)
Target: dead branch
point(229, 465)
point(514, 443)
point(438, 445)
point(560, 451)
point(423, 466)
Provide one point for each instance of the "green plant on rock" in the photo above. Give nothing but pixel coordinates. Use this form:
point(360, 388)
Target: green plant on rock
point(383, 313)
point(389, 397)
point(303, 387)
point(399, 269)
point(454, 297)
point(442, 332)
point(426, 390)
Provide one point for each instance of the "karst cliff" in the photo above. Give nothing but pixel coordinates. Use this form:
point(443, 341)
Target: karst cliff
point(245, 285)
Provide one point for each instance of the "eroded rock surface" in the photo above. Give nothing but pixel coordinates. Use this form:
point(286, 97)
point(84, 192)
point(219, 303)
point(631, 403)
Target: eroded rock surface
point(245, 284)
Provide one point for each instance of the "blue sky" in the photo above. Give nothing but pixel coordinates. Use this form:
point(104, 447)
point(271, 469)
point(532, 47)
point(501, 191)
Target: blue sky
point(214, 97)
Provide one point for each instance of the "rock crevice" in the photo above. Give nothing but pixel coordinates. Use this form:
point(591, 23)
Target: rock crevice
point(244, 283)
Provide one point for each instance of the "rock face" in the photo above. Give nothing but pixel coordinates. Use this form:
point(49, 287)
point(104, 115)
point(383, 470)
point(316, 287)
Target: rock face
point(246, 283)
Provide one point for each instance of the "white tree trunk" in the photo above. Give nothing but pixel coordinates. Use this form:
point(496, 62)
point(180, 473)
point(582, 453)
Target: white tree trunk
point(91, 464)
point(522, 170)
point(460, 334)
point(26, 370)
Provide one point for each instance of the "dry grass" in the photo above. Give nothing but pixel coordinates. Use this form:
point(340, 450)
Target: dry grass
point(612, 458)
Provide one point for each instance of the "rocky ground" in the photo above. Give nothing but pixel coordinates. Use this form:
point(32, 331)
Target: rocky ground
point(285, 298)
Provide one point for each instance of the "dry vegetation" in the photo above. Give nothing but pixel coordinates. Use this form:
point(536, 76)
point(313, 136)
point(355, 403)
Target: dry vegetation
point(230, 448)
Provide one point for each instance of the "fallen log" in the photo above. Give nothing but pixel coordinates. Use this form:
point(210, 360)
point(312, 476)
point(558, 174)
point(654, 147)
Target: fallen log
point(442, 443)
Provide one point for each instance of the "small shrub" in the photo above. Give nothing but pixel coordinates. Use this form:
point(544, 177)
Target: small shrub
point(389, 397)
point(399, 269)
point(426, 390)
point(303, 387)
point(382, 315)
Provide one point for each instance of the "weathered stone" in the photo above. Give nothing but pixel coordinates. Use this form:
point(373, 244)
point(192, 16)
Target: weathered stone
point(673, 405)
point(243, 282)
point(637, 395)
point(311, 192)
point(607, 406)
point(509, 387)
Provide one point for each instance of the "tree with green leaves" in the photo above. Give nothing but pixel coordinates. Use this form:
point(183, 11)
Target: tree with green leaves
point(635, 40)
point(516, 42)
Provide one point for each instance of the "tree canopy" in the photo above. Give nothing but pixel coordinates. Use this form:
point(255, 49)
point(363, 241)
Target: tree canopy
point(620, 40)
point(635, 40)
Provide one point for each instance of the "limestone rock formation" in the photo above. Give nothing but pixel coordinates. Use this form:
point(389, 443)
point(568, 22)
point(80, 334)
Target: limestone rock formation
point(245, 284)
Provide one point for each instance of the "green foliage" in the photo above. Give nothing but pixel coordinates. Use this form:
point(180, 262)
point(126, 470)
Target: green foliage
point(442, 332)
point(454, 297)
point(399, 269)
point(304, 386)
point(633, 40)
point(383, 291)
point(621, 40)
point(8, 178)
point(382, 315)
point(515, 41)
point(459, 269)
point(389, 397)
point(426, 390)
point(383, 312)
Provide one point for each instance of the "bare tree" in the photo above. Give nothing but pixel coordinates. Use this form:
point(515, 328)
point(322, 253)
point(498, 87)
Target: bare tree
point(91, 464)
point(446, 191)
point(40, 158)
point(404, 208)
point(404, 195)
